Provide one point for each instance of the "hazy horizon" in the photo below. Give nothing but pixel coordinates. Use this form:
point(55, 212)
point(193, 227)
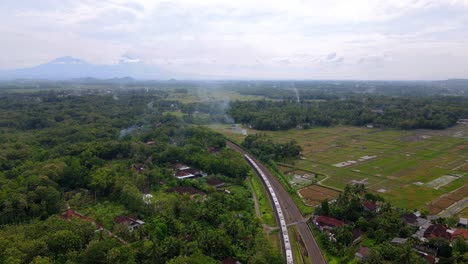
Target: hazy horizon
point(281, 40)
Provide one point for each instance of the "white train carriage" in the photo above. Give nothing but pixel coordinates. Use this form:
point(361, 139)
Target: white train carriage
point(279, 212)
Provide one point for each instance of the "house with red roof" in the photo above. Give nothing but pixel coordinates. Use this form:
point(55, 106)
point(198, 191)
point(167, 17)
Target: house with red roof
point(370, 206)
point(186, 190)
point(437, 230)
point(462, 233)
point(327, 223)
point(131, 222)
point(362, 253)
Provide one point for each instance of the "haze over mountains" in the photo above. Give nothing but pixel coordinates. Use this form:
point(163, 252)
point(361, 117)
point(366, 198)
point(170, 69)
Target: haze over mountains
point(65, 68)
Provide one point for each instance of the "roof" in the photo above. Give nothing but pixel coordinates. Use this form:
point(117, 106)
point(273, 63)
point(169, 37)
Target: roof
point(363, 252)
point(437, 230)
point(127, 220)
point(463, 221)
point(463, 233)
point(150, 142)
point(180, 166)
point(230, 260)
point(214, 182)
point(399, 240)
point(213, 149)
point(357, 233)
point(328, 221)
point(409, 218)
point(185, 190)
point(369, 205)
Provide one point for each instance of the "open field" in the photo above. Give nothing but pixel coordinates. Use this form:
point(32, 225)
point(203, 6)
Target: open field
point(410, 168)
point(313, 195)
point(447, 200)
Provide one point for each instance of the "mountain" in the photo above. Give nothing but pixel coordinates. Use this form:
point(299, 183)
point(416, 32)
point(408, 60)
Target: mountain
point(65, 68)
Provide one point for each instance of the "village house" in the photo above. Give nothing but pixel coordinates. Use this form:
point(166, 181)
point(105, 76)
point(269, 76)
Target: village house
point(213, 150)
point(437, 230)
point(460, 232)
point(182, 171)
point(324, 223)
point(215, 183)
point(399, 241)
point(230, 260)
point(463, 222)
point(189, 190)
point(362, 253)
point(131, 222)
point(151, 143)
point(357, 235)
point(413, 219)
point(429, 254)
point(370, 206)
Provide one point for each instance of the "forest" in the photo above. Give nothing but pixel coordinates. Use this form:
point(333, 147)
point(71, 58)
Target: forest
point(378, 111)
point(98, 153)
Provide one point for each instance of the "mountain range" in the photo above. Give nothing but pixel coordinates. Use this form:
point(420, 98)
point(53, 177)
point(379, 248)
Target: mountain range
point(66, 68)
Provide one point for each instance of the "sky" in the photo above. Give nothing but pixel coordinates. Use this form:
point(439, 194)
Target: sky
point(252, 39)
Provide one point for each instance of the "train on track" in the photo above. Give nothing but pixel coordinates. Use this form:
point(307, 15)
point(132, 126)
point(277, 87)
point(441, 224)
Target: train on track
point(279, 211)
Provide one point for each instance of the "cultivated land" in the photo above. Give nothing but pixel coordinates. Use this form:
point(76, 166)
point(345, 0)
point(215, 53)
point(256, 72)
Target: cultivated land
point(409, 168)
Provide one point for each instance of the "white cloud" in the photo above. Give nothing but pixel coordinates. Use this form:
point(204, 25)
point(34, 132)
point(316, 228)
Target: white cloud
point(339, 37)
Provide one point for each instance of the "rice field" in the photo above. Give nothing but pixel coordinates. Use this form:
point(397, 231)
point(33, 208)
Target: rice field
point(410, 168)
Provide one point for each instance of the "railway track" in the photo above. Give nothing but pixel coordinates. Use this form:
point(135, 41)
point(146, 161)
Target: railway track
point(290, 213)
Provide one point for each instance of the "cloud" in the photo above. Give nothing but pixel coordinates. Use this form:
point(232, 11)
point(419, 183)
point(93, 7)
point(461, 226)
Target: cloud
point(332, 37)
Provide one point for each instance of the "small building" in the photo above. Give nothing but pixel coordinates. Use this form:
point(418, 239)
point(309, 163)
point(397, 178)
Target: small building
point(182, 171)
point(215, 183)
point(422, 229)
point(131, 222)
point(230, 260)
point(414, 220)
point(460, 232)
point(399, 241)
point(463, 222)
point(429, 254)
point(362, 254)
point(327, 223)
point(437, 230)
point(357, 235)
point(151, 143)
point(370, 206)
point(212, 150)
point(186, 190)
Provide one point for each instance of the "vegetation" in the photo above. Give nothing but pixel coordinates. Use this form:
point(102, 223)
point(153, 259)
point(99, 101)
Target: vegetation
point(406, 113)
point(91, 150)
point(266, 149)
point(379, 226)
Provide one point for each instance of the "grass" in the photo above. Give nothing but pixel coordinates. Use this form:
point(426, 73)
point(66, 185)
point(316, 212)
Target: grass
point(297, 247)
point(104, 212)
point(403, 158)
point(267, 216)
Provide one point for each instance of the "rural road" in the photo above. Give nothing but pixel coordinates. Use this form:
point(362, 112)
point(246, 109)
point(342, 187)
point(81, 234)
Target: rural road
point(290, 210)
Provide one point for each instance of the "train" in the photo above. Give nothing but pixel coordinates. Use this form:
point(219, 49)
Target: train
point(279, 211)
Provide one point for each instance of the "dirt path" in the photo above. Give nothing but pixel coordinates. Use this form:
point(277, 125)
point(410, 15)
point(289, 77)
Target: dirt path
point(254, 196)
point(291, 212)
point(266, 228)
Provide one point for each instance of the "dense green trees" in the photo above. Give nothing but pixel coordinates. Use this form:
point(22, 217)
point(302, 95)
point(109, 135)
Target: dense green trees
point(90, 152)
point(266, 149)
point(407, 113)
